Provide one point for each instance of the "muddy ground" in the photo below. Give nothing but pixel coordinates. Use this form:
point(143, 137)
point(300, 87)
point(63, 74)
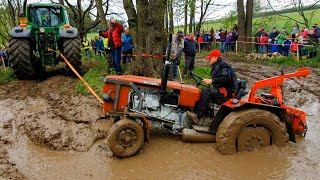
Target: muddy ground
point(48, 131)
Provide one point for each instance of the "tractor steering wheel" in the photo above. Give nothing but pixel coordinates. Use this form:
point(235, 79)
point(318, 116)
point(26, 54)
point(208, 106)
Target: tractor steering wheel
point(198, 80)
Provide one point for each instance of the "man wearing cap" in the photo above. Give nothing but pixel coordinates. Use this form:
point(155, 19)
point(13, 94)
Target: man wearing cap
point(224, 85)
point(178, 44)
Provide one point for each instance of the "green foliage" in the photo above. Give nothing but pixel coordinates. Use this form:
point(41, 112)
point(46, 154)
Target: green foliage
point(230, 20)
point(270, 21)
point(6, 75)
point(94, 76)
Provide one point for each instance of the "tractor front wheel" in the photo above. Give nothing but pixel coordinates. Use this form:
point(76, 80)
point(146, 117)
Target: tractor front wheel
point(246, 130)
point(20, 55)
point(72, 51)
point(126, 138)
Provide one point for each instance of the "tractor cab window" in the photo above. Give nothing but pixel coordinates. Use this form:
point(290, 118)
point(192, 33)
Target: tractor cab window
point(46, 17)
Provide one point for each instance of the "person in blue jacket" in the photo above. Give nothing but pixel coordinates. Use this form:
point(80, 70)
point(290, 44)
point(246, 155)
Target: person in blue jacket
point(127, 46)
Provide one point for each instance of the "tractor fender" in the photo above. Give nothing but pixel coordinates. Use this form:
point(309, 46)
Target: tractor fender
point(229, 107)
point(18, 32)
point(71, 32)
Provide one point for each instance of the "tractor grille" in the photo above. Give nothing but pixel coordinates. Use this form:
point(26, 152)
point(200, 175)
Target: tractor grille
point(47, 40)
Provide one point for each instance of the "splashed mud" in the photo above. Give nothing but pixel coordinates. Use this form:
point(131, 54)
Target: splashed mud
point(48, 131)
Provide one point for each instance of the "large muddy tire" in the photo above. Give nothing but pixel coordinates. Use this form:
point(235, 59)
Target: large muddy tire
point(72, 51)
point(234, 124)
point(20, 55)
point(126, 138)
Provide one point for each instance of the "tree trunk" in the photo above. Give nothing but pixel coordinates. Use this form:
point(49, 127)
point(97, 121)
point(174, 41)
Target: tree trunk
point(170, 12)
point(249, 16)
point(192, 15)
point(101, 14)
point(185, 16)
point(149, 36)
point(241, 24)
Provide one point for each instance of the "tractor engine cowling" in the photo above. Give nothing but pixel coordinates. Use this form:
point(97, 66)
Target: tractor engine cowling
point(152, 107)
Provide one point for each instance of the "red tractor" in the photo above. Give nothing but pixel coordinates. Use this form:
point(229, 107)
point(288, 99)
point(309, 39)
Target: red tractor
point(138, 103)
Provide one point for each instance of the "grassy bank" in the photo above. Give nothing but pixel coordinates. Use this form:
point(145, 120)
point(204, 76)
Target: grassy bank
point(6, 75)
point(267, 22)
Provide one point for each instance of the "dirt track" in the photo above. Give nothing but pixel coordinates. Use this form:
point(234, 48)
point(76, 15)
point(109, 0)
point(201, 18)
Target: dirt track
point(48, 131)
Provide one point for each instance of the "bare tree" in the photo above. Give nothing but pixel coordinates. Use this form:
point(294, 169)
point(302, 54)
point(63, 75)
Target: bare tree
point(146, 22)
point(245, 23)
point(170, 14)
point(9, 16)
point(192, 5)
point(185, 16)
point(204, 4)
point(301, 9)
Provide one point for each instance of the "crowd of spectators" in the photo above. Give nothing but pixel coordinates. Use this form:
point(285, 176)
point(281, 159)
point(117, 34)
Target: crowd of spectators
point(298, 40)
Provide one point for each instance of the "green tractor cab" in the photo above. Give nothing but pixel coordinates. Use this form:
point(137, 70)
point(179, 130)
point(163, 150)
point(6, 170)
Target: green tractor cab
point(45, 26)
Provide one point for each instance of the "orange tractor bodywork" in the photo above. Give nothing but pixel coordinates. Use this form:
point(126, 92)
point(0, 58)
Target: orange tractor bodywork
point(142, 99)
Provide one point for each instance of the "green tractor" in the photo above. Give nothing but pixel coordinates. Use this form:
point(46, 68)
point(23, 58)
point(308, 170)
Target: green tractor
point(45, 26)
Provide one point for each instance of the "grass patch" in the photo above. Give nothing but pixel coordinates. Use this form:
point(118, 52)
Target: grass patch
point(98, 69)
point(6, 75)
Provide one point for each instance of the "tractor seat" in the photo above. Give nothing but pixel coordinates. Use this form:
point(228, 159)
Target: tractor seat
point(242, 85)
point(267, 96)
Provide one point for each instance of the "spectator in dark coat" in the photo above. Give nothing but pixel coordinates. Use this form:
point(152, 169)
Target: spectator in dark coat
point(115, 43)
point(223, 36)
point(190, 50)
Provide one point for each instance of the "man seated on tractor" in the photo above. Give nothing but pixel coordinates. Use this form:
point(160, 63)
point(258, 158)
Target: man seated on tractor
point(224, 86)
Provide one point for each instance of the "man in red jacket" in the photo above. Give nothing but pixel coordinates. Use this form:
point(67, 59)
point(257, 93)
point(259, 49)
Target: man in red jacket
point(115, 43)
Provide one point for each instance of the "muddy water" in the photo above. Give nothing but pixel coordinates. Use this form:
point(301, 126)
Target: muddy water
point(51, 134)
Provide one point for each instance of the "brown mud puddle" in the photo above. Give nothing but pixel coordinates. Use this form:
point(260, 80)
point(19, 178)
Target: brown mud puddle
point(48, 131)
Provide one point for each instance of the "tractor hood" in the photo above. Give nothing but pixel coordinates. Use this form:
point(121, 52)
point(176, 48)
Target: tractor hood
point(189, 95)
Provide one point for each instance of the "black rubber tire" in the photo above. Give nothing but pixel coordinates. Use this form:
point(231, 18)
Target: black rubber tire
point(233, 123)
point(114, 141)
point(72, 51)
point(20, 54)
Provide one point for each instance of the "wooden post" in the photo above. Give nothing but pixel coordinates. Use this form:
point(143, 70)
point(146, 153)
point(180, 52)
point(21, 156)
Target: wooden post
point(298, 53)
point(237, 47)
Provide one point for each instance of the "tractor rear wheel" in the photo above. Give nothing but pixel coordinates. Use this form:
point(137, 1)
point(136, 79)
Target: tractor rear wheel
point(126, 138)
point(20, 55)
point(72, 51)
point(250, 129)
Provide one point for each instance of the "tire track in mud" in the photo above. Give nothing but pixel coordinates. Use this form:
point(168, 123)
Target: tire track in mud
point(50, 113)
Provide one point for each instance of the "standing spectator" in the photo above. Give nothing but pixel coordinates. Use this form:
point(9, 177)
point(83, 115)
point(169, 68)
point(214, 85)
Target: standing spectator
point(201, 41)
point(295, 30)
point(93, 45)
point(280, 38)
point(234, 37)
point(295, 46)
point(99, 46)
point(257, 40)
point(206, 40)
point(178, 43)
point(286, 46)
point(86, 47)
point(264, 43)
point(4, 57)
point(273, 36)
point(190, 50)
point(115, 43)
point(228, 40)
point(314, 36)
point(223, 37)
point(127, 46)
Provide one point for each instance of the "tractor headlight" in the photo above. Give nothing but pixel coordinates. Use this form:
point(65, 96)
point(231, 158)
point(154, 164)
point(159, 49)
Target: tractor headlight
point(42, 30)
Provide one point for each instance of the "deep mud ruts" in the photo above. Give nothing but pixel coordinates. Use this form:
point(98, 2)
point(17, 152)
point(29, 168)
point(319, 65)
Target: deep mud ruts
point(48, 131)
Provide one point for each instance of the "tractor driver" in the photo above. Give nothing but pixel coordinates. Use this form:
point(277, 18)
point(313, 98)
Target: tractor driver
point(224, 86)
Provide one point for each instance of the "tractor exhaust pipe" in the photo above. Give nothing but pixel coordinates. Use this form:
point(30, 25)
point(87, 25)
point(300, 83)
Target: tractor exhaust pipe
point(166, 67)
point(191, 135)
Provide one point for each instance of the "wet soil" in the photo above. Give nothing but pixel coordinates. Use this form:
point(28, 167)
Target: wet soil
point(48, 131)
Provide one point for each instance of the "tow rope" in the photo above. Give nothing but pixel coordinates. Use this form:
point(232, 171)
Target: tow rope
point(79, 76)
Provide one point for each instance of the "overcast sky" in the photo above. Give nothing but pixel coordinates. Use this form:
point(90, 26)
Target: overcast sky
point(218, 9)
